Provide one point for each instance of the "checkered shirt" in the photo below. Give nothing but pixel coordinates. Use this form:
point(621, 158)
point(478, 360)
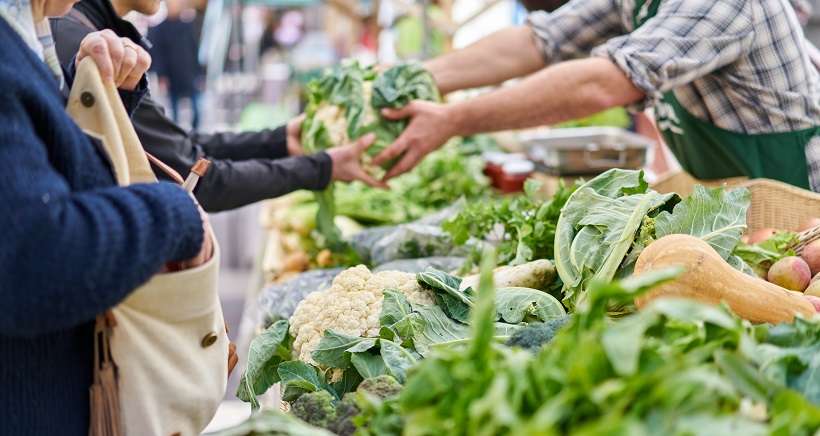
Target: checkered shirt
point(741, 65)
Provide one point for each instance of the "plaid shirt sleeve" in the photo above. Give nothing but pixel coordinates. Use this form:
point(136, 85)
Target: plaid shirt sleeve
point(685, 40)
point(574, 29)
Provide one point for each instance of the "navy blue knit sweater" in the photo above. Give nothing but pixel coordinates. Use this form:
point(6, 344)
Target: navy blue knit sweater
point(73, 245)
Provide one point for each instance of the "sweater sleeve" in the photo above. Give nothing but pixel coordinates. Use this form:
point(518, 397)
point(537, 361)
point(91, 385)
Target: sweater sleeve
point(69, 255)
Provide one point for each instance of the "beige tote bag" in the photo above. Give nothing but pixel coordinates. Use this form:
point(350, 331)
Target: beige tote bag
point(167, 339)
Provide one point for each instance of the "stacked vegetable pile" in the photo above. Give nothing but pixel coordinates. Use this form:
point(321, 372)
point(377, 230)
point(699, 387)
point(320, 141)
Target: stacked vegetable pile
point(390, 353)
point(366, 325)
point(677, 367)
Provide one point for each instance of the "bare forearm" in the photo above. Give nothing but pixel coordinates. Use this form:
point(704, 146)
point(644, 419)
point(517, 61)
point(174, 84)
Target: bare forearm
point(501, 56)
point(566, 91)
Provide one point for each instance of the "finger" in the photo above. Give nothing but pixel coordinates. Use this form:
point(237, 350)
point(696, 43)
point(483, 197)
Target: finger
point(116, 51)
point(362, 175)
point(410, 159)
point(400, 113)
point(393, 151)
point(143, 64)
point(129, 61)
point(95, 46)
point(364, 143)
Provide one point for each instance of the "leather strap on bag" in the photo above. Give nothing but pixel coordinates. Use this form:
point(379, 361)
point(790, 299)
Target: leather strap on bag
point(104, 394)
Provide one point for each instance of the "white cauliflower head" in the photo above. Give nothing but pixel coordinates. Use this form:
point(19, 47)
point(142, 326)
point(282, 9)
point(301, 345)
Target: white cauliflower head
point(350, 306)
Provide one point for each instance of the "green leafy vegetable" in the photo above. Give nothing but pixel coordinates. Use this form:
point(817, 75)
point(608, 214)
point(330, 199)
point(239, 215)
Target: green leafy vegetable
point(760, 257)
point(676, 367)
point(298, 378)
point(513, 304)
point(609, 220)
point(718, 216)
point(598, 226)
point(344, 105)
point(528, 224)
point(334, 349)
point(267, 351)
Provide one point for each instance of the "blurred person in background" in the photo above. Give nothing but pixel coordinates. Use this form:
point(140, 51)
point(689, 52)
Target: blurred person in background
point(246, 167)
point(268, 43)
point(75, 244)
point(174, 50)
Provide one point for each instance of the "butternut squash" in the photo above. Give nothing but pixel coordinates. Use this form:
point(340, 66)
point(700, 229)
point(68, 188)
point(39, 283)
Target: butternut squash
point(710, 279)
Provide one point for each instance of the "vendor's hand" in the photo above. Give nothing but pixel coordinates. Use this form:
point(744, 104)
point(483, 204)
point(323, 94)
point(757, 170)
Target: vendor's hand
point(119, 59)
point(429, 128)
point(347, 165)
point(294, 136)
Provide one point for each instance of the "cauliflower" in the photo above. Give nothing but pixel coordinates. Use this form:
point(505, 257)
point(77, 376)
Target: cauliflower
point(351, 306)
point(333, 118)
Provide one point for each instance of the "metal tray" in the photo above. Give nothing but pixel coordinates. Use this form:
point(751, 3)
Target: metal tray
point(587, 150)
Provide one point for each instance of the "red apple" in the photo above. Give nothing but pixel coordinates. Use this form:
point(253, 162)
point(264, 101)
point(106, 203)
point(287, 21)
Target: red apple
point(811, 254)
point(791, 273)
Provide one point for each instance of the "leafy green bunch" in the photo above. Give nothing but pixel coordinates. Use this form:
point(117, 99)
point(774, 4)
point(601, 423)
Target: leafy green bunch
point(679, 368)
point(760, 257)
point(345, 104)
point(522, 227)
point(607, 222)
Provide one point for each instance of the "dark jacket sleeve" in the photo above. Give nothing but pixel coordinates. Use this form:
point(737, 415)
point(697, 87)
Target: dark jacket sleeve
point(264, 144)
point(239, 174)
point(69, 255)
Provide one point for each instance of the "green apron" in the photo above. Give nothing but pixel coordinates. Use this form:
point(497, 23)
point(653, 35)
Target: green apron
point(710, 152)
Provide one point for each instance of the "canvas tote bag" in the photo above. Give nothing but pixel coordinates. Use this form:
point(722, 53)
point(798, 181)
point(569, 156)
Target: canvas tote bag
point(165, 345)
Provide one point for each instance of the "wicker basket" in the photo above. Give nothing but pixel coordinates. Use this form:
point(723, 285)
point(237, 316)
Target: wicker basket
point(774, 204)
point(682, 183)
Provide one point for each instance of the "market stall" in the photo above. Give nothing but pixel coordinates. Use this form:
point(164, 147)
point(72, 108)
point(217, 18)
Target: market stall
point(539, 285)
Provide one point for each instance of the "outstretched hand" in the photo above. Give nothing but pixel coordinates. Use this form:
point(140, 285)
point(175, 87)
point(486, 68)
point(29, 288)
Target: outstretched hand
point(430, 126)
point(294, 136)
point(347, 165)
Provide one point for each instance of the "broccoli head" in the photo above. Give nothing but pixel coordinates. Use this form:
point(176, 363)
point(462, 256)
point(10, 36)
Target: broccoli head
point(534, 336)
point(316, 408)
point(382, 387)
point(346, 410)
